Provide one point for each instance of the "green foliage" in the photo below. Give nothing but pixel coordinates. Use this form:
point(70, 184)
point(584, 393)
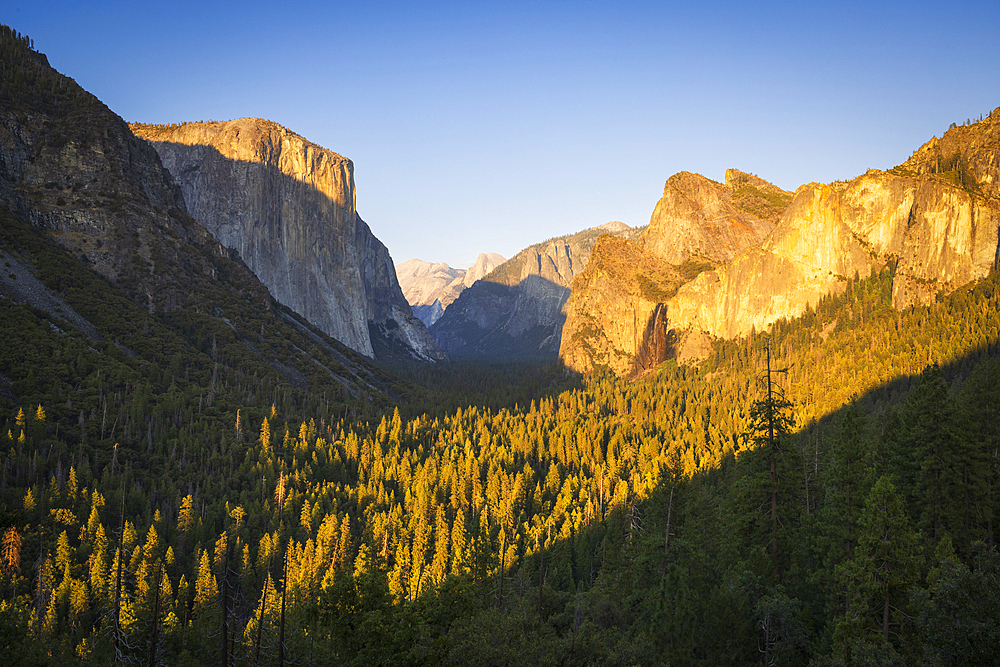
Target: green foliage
point(651, 291)
point(507, 514)
point(960, 620)
point(885, 565)
point(567, 482)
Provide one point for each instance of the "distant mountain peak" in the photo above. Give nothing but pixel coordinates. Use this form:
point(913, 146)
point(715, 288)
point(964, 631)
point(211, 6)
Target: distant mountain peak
point(614, 227)
point(430, 287)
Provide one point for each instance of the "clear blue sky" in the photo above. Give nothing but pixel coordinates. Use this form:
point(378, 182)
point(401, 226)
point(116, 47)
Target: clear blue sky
point(480, 127)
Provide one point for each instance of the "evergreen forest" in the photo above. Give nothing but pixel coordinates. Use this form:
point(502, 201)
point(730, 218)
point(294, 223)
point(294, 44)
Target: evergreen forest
point(691, 517)
point(822, 493)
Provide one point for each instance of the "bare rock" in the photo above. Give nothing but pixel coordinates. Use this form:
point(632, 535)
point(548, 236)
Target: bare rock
point(287, 206)
point(425, 284)
point(700, 219)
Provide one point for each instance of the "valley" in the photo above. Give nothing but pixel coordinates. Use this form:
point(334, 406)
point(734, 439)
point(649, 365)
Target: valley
point(763, 427)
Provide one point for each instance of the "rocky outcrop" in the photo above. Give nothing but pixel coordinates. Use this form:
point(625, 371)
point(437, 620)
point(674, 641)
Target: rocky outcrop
point(616, 316)
point(517, 311)
point(431, 287)
point(77, 187)
point(288, 207)
point(71, 166)
point(934, 220)
point(937, 235)
point(482, 267)
point(702, 220)
point(612, 316)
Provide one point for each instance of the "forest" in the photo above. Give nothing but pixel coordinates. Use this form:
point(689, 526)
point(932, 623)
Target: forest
point(684, 518)
point(220, 483)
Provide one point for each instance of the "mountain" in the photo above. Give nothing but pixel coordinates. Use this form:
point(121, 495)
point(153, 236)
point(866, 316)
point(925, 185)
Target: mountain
point(208, 478)
point(287, 206)
point(101, 254)
point(700, 219)
point(615, 317)
point(431, 287)
point(516, 311)
point(934, 220)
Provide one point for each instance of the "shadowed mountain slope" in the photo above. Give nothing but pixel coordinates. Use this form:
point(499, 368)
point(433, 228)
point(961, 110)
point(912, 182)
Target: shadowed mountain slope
point(100, 246)
point(517, 310)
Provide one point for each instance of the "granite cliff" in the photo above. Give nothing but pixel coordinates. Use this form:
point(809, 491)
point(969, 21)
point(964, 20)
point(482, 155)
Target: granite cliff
point(517, 310)
point(431, 287)
point(287, 206)
point(700, 219)
point(614, 310)
point(80, 194)
point(933, 220)
point(616, 317)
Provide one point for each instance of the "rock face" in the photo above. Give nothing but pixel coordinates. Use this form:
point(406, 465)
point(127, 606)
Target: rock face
point(79, 185)
point(616, 317)
point(938, 230)
point(431, 287)
point(934, 220)
point(71, 166)
point(517, 311)
point(288, 207)
point(699, 219)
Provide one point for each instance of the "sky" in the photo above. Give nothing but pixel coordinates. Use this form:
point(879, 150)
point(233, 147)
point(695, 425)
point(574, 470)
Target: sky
point(487, 127)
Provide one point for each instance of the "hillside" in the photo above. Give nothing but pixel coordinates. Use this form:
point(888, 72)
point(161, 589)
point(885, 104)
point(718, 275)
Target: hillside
point(197, 476)
point(546, 523)
point(119, 307)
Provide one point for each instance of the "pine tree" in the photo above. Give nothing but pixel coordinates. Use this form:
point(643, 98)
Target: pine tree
point(206, 588)
point(886, 563)
point(771, 485)
point(948, 476)
point(10, 555)
point(63, 551)
point(185, 517)
point(265, 435)
point(980, 419)
point(439, 565)
point(99, 565)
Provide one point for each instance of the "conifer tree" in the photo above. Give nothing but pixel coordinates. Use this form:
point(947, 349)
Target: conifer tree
point(885, 564)
point(948, 477)
point(10, 556)
point(980, 419)
point(265, 435)
point(206, 587)
point(771, 487)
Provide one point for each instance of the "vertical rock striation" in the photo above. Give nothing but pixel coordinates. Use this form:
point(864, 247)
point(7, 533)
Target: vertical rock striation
point(937, 234)
point(935, 220)
point(288, 207)
point(612, 312)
